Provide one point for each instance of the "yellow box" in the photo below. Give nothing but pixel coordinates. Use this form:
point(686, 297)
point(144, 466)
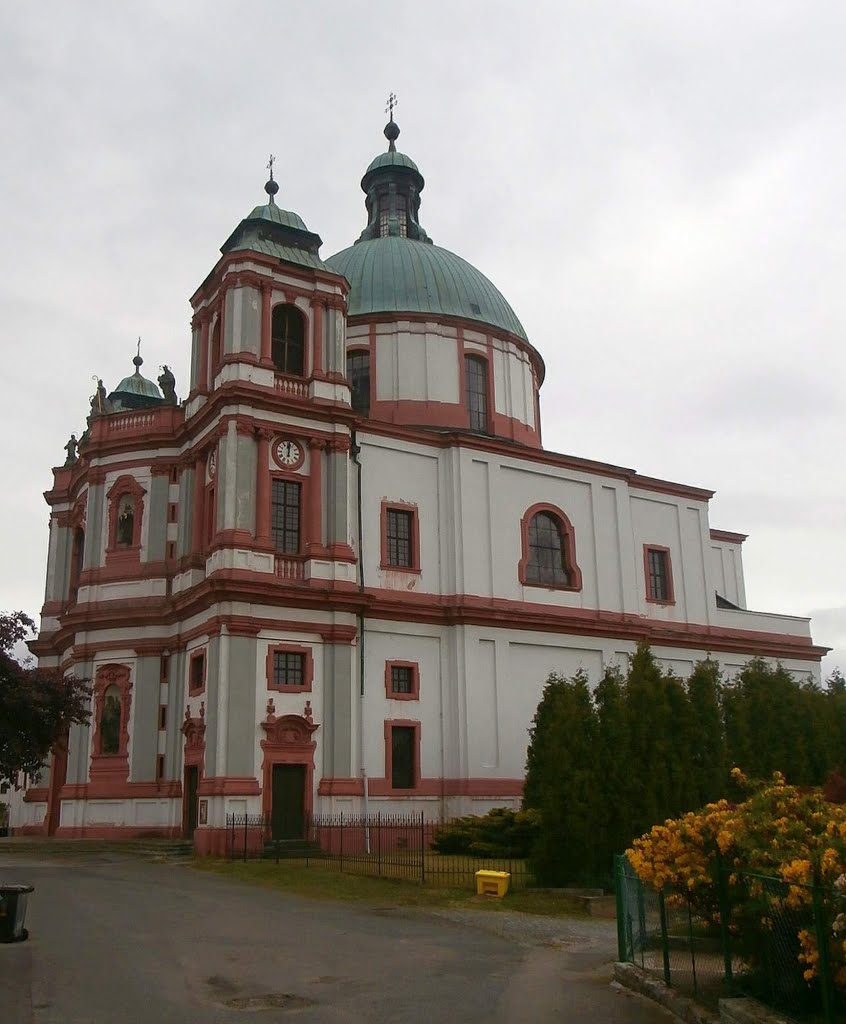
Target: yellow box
point(492, 883)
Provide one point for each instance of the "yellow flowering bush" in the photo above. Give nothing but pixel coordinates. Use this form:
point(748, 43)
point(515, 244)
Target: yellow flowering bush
point(781, 831)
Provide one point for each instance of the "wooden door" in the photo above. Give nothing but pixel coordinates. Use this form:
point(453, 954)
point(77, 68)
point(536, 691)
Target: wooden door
point(189, 800)
point(287, 815)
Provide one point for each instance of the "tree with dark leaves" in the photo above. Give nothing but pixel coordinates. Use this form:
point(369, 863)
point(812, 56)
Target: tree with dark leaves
point(37, 706)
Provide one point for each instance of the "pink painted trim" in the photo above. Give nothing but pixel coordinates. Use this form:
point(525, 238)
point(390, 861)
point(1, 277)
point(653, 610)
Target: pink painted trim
point(568, 537)
point(118, 832)
point(727, 537)
point(119, 790)
point(400, 506)
point(229, 786)
point(671, 599)
point(308, 667)
point(415, 680)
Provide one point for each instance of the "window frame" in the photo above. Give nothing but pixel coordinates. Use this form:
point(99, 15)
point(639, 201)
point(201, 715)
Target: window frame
point(302, 373)
point(414, 692)
point(288, 480)
point(401, 723)
point(670, 599)
point(414, 536)
point(475, 358)
point(195, 656)
point(308, 667)
point(352, 353)
point(568, 548)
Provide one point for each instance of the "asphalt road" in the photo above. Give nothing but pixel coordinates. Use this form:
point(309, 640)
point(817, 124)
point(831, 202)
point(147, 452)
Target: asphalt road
point(122, 941)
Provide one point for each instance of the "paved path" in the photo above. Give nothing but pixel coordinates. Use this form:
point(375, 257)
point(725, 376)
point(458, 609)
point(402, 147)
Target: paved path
point(119, 941)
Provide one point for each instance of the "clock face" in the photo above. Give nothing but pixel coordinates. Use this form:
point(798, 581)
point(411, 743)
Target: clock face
point(288, 453)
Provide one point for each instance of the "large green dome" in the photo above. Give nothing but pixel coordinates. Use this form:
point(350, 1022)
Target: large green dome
point(402, 275)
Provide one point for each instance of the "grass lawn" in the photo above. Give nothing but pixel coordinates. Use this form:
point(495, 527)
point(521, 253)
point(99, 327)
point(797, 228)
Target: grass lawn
point(323, 880)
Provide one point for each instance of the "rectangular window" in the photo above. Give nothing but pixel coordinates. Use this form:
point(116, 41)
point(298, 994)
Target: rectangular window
point(160, 761)
point(403, 739)
point(476, 391)
point(197, 677)
point(288, 669)
point(402, 679)
point(358, 373)
point(285, 517)
point(399, 527)
point(162, 716)
point(659, 583)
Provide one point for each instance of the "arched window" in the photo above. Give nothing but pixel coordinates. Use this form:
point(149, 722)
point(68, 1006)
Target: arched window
point(110, 722)
point(358, 374)
point(476, 391)
point(287, 340)
point(549, 550)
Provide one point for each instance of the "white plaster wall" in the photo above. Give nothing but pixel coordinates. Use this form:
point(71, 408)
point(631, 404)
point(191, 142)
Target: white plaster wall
point(403, 642)
point(727, 571)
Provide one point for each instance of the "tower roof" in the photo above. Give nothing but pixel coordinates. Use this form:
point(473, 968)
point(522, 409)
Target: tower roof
point(395, 268)
point(275, 232)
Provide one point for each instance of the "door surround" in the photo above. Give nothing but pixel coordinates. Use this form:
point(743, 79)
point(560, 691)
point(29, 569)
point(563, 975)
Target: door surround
point(194, 756)
point(289, 739)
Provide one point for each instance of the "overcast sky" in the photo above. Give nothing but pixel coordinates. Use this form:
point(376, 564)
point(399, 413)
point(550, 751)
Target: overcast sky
point(656, 187)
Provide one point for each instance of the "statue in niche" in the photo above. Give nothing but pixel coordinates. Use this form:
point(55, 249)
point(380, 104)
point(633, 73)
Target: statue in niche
point(71, 448)
point(110, 722)
point(126, 524)
point(167, 382)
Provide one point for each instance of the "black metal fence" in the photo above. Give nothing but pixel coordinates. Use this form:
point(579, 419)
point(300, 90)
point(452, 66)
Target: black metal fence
point(748, 934)
point(397, 846)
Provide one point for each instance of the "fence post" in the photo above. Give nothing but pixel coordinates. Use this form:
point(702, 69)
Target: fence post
point(379, 842)
point(725, 917)
point(622, 950)
point(826, 986)
point(246, 825)
point(342, 842)
point(422, 851)
point(665, 939)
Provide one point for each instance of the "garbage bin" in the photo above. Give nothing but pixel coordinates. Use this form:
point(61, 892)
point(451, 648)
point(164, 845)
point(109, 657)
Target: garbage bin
point(13, 912)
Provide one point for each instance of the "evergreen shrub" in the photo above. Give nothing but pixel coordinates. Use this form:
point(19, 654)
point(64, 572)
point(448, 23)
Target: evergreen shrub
point(499, 833)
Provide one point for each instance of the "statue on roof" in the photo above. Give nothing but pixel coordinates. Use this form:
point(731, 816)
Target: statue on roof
point(100, 404)
point(71, 448)
point(167, 382)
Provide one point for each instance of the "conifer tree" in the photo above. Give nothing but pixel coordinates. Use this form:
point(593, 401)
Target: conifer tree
point(709, 767)
point(612, 758)
point(561, 781)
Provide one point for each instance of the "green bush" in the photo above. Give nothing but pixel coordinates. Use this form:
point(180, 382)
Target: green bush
point(499, 833)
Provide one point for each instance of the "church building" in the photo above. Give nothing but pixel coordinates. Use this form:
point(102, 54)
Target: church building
point(336, 575)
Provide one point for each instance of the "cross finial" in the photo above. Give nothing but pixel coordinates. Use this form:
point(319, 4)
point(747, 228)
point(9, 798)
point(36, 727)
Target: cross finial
point(138, 352)
point(271, 187)
point(392, 102)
